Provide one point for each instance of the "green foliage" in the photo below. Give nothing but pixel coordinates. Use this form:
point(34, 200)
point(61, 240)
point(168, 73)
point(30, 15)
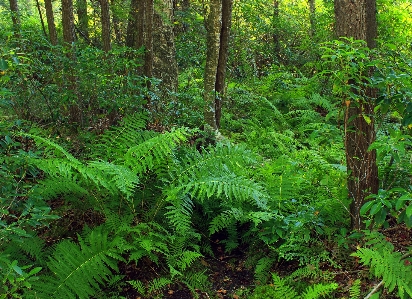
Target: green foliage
point(284, 288)
point(386, 264)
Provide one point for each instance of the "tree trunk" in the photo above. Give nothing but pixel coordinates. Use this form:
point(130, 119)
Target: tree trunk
point(50, 22)
point(164, 51)
point(105, 19)
point(223, 55)
point(275, 36)
point(213, 28)
point(132, 23)
point(75, 113)
point(312, 17)
point(116, 21)
point(357, 19)
point(83, 19)
point(68, 22)
point(15, 18)
point(148, 37)
point(41, 18)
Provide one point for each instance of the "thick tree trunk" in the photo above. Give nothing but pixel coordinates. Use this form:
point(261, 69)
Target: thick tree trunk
point(83, 18)
point(15, 17)
point(68, 22)
point(50, 22)
point(223, 56)
point(357, 19)
point(164, 51)
point(105, 19)
point(213, 27)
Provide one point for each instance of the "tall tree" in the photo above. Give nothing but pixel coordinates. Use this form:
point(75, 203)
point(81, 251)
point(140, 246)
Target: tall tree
point(357, 19)
point(105, 19)
point(213, 28)
point(223, 56)
point(15, 17)
point(50, 22)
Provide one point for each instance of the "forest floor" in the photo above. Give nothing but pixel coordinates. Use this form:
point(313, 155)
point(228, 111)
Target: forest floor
point(231, 278)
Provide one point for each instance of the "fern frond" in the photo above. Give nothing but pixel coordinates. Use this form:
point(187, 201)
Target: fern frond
point(123, 178)
point(282, 290)
point(78, 271)
point(388, 265)
point(319, 290)
point(262, 269)
point(196, 280)
point(152, 152)
point(355, 289)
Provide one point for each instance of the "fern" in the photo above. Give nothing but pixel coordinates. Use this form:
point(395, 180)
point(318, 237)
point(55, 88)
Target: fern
point(281, 289)
point(386, 264)
point(319, 290)
point(79, 271)
point(355, 289)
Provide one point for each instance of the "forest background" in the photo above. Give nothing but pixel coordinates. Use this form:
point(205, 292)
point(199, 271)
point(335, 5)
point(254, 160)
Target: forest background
point(205, 149)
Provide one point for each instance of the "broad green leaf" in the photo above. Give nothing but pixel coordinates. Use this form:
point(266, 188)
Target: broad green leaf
point(3, 65)
point(365, 208)
point(376, 208)
point(409, 211)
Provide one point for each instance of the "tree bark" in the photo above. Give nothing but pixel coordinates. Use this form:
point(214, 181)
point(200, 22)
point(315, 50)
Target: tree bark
point(148, 37)
point(164, 51)
point(223, 56)
point(132, 23)
point(213, 28)
point(50, 22)
point(83, 18)
point(312, 17)
point(357, 19)
point(75, 113)
point(275, 36)
point(15, 18)
point(68, 22)
point(105, 19)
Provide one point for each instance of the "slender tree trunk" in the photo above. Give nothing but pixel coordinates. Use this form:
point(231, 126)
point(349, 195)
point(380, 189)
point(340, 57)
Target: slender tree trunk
point(312, 17)
point(83, 18)
point(15, 17)
point(275, 36)
point(148, 37)
point(41, 18)
point(50, 22)
point(213, 28)
point(105, 19)
point(75, 113)
point(357, 19)
point(164, 51)
point(223, 56)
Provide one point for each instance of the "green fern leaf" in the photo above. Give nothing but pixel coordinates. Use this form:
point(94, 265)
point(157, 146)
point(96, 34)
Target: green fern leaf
point(319, 290)
point(79, 271)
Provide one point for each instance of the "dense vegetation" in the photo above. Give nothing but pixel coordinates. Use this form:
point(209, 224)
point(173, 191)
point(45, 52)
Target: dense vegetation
point(113, 184)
